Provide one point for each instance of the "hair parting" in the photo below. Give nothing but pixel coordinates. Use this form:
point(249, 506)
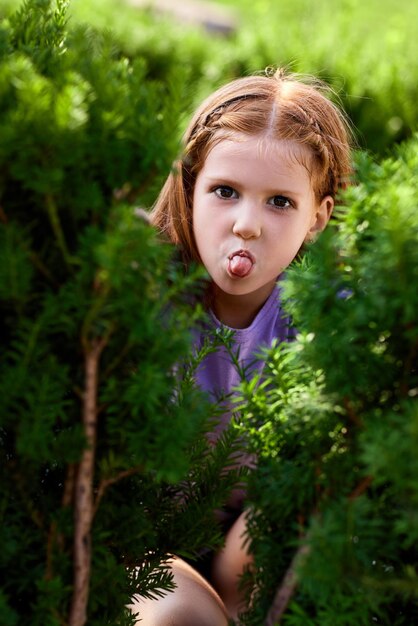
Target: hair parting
point(279, 105)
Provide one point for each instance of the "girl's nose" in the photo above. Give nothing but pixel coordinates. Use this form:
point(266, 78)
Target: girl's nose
point(247, 223)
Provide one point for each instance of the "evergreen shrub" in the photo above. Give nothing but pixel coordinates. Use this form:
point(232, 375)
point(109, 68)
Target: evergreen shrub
point(365, 50)
point(335, 422)
point(103, 460)
point(94, 320)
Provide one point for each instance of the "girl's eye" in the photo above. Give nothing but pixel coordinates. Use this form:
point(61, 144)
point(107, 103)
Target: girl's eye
point(281, 202)
point(225, 192)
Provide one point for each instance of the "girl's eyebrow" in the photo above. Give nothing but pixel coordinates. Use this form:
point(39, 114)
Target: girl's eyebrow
point(276, 191)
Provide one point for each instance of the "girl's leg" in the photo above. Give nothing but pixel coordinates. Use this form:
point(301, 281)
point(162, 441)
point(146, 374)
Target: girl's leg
point(193, 603)
point(228, 566)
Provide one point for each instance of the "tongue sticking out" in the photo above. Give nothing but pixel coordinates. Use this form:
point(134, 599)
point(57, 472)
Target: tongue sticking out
point(240, 265)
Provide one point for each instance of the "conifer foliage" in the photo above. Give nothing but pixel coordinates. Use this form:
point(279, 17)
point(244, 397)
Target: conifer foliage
point(104, 468)
point(335, 423)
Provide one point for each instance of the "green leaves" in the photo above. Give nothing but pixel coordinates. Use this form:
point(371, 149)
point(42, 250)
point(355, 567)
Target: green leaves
point(16, 271)
point(334, 419)
point(360, 298)
point(86, 136)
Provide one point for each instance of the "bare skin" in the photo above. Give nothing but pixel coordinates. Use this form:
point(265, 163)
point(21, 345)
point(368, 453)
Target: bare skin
point(194, 602)
point(229, 565)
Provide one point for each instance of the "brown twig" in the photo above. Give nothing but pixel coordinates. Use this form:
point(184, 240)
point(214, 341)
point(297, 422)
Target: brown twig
point(83, 493)
point(117, 360)
point(287, 588)
point(68, 493)
point(107, 482)
point(290, 580)
point(54, 537)
point(352, 414)
point(361, 487)
point(57, 229)
point(41, 267)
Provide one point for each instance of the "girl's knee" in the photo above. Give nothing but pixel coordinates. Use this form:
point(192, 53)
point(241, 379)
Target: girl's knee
point(193, 610)
point(192, 614)
point(193, 602)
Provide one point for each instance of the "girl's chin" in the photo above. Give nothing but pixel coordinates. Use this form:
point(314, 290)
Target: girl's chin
point(236, 287)
point(239, 287)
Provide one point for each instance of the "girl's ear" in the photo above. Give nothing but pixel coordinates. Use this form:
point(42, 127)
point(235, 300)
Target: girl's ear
point(320, 218)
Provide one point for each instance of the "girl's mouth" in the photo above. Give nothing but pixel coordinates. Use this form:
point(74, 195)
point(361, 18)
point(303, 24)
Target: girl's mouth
point(240, 263)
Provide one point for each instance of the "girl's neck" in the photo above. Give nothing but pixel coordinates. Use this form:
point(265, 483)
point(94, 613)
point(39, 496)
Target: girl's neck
point(238, 311)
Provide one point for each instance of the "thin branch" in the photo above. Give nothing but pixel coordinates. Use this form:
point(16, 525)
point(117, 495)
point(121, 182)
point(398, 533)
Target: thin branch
point(54, 537)
point(287, 588)
point(290, 580)
point(57, 230)
point(361, 488)
point(78, 392)
point(68, 493)
point(83, 494)
point(107, 482)
point(352, 414)
point(102, 292)
point(42, 268)
point(117, 360)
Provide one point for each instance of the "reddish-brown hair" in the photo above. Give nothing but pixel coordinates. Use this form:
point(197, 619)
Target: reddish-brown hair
point(281, 106)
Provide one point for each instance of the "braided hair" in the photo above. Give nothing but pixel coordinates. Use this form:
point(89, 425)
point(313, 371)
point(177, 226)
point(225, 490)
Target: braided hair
point(276, 105)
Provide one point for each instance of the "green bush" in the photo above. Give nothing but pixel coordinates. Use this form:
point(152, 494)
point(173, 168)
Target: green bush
point(104, 466)
point(89, 126)
point(365, 50)
point(335, 423)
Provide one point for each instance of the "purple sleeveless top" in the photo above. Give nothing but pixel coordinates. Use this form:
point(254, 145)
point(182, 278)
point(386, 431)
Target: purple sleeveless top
point(217, 375)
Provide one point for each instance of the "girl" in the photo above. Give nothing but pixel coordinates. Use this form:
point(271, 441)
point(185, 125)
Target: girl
point(264, 158)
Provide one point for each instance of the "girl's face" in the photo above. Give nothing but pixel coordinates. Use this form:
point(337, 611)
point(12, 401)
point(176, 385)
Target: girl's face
point(253, 207)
